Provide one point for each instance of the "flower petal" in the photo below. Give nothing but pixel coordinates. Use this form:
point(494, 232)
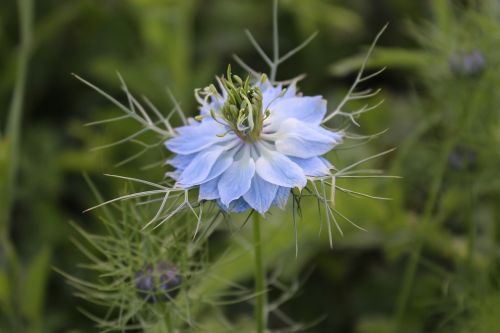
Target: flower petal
point(281, 197)
point(237, 206)
point(278, 169)
point(236, 180)
point(261, 194)
point(314, 166)
point(181, 161)
point(209, 190)
point(291, 90)
point(296, 138)
point(221, 165)
point(197, 136)
point(309, 109)
point(270, 94)
point(200, 167)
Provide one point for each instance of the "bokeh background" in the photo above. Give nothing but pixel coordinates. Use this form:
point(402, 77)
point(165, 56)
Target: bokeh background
point(429, 261)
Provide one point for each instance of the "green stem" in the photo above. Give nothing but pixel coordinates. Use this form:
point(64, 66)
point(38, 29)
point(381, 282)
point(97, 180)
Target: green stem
point(276, 54)
point(471, 242)
point(260, 277)
point(168, 322)
point(13, 129)
point(9, 153)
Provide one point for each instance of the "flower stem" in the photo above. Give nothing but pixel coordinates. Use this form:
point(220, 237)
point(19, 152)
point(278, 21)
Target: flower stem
point(471, 223)
point(276, 54)
point(260, 277)
point(12, 138)
point(168, 322)
point(10, 144)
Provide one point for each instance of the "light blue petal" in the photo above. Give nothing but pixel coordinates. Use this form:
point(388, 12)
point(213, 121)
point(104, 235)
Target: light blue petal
point(278, 169)
point(224, 162)
point(199, 169)
point(296, 138)
point(281, 197)
point(314, 166)
point(270, 95)
point(309, 109)
point(198, 136)
point(208, 190)
point(236, 180)
point(261, 194)
point(237, 206)
point(291, 90)
point(181, 161)
point(327, 163)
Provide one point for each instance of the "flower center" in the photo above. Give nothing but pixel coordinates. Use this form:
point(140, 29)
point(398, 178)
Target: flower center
point(242, 110)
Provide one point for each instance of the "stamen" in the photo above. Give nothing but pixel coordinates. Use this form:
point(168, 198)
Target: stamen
point(242, 110)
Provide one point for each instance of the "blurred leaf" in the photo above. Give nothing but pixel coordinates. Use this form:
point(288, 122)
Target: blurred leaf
point(484, 315)
point(158, 328)
point(375, 325)
point(51, 25)
point(4, 289)
point(9, 272)
point(10, 156)
point(442, 12)
point(167, 31)
point(381, 57)
point(4, 183)
point(34, 285)
point(319, 12)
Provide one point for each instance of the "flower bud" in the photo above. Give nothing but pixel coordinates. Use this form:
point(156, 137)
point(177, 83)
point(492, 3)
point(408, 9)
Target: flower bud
point(462, 159)
point(467, 63)
point(159, 283)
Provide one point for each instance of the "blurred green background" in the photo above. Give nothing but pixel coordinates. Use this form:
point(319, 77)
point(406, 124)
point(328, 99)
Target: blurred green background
point(429, 261)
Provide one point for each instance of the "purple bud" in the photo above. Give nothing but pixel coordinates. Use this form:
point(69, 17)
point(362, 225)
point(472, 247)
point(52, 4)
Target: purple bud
point(462, 159)
point(158, 283)
point(467, 63)
point(170, 280)
point(144, 282)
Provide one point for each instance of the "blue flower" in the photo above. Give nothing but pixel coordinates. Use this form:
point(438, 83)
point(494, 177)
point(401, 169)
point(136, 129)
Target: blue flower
point(251, 144)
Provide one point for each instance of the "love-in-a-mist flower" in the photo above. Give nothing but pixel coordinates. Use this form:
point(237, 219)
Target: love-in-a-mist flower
point(251, 144)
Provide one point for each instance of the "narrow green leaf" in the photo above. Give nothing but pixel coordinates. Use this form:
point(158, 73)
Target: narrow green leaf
point(381, 57)
point(442, 12)
point(4, 183)
point(33, 285)
point(4, 289)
